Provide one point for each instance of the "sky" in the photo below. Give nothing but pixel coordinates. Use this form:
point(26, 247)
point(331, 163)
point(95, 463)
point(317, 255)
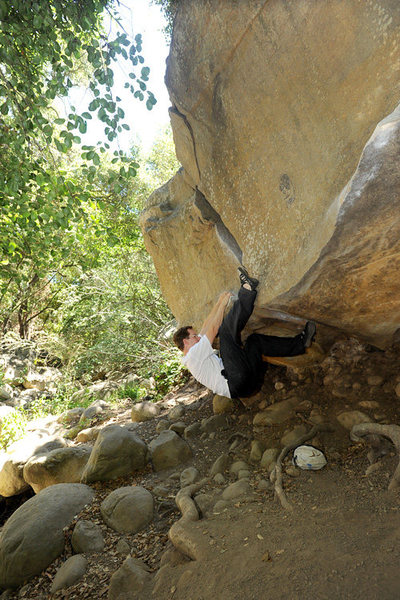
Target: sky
point(138, 16)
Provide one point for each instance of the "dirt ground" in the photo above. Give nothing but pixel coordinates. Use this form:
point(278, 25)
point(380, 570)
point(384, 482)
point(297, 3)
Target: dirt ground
point(341, 538)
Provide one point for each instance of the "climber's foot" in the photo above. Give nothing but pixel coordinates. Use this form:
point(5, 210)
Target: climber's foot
point(246, 279)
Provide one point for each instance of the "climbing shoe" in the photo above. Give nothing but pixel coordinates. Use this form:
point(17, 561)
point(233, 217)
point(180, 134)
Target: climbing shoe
point(245, 278)
point(308, 334)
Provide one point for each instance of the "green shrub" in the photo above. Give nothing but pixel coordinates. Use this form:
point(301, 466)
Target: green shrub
point(13, 428)
point(170, 373)
point(132, 391)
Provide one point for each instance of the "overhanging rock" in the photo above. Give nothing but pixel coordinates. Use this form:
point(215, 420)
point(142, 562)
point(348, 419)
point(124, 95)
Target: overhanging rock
point(273, 107)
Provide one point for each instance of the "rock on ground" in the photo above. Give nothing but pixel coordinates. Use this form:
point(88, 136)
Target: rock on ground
point(117, 451)
point(87, 537)
point(13, 461)
point(128, 581)
point(69, 573)
point(144, 411)
point(169, 450)
point(33, 536)
point(128, 509)
point(62, 465)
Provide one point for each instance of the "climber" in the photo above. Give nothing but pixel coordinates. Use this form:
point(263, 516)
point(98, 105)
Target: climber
point(239, 373)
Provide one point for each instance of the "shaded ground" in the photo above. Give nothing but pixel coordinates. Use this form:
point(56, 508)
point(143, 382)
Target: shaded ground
point(340, 541)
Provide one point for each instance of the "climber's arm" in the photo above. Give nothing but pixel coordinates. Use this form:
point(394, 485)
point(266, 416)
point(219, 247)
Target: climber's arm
point(213, 321)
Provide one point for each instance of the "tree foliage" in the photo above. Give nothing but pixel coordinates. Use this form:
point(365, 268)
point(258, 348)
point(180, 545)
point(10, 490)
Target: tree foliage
point(44, 204)
point(105, 308)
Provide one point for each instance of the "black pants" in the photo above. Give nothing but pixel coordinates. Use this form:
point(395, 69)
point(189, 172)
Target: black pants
point(244, 367)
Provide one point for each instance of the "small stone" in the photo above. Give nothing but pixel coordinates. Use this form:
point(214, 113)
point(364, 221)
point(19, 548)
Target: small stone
point(161, 490)
point(220, 506)
point(352, 417)
point(162, 425)
point(87, 537)
point(219, 479)
point(123, 547)
point(189, 476)
point(214, 423)
point(304, 406)
point(276, 413)
point(374, 380)
point(72, 415)
point(88, 435)
point(144, 411)
point(256, 451)
point(397, 390)
point(237, 489)
point(371, 404)
point(191, 431)
point(179, 427)
point(292, 436)
point(264, 485)
point(237, 466)
point(176, 413)
point(316, 417)
point(243, 474)
point(71, 571)
point(292, 471)
point(220, 465)
point(221, 405)
point(268, 459)
point(279, 385)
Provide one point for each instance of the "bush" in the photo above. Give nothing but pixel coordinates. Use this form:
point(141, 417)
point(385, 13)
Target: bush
point(13, 428)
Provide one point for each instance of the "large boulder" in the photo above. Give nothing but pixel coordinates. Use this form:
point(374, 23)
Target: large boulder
point(13, 461)
point(118, 451)
point(273, 105)
point(62, 465)
point(33, 536)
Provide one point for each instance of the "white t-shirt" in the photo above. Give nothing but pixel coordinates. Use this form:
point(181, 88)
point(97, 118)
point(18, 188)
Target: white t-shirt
point(206, 367)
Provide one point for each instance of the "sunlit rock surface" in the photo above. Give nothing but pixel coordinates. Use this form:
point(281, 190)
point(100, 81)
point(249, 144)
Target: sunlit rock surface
point(275, 110)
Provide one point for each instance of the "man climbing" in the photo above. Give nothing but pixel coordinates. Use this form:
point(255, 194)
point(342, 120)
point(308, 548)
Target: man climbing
point(239, 373)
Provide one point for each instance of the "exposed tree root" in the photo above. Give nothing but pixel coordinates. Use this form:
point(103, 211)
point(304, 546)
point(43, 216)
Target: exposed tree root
point(179, 534)
point(391, 432)
point(276, 474)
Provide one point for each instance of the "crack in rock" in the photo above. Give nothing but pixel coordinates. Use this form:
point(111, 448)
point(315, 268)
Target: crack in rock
point(210, 214)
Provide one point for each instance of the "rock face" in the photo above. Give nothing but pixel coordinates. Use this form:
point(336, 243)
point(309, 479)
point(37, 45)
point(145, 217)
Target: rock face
point(273, 107)
point(33, 536)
